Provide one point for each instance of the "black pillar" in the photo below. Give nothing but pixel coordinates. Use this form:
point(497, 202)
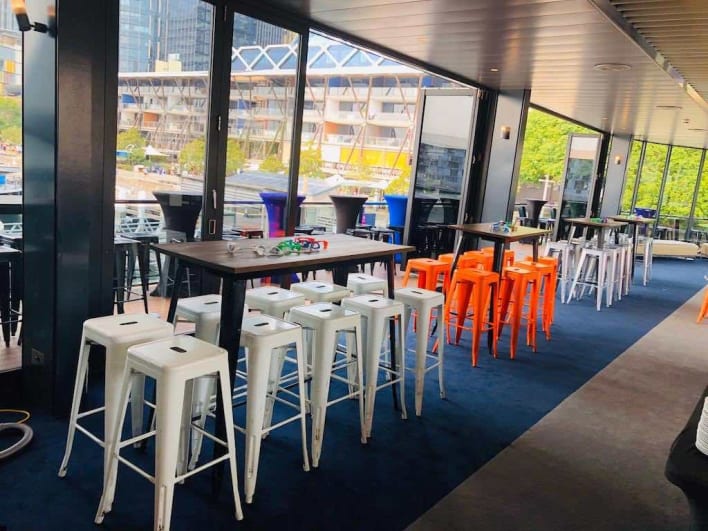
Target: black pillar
point(69, 113)
point(506, 140)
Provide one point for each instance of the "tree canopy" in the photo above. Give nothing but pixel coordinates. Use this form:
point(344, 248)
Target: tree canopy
point(545, 144)
point(272, 164)
point(132, 141)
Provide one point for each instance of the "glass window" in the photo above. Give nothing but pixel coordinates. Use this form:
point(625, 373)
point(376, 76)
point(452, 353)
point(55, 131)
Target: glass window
point(162, 111)
point(678, 190)
point(650, 179)
point(362, 143)
point(260, 128)
point(11, 125)
point(631, 177)
point(700, 216)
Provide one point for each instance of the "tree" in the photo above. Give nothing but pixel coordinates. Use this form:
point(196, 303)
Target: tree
point(401, 184)
point(12, 134)
point(10, 112)
point(272, 164)
point(133, 142)
point(235, 157)
point(311, 162)
point(192, 156)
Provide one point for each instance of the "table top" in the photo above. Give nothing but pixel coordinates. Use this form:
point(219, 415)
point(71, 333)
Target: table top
point(483, 230)
point(244, 262)
point(588, 222)
point(627, 219)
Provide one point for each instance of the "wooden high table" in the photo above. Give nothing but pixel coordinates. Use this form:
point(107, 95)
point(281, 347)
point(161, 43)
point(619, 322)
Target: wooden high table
point(634, 221)
point(591, 223)
point(500, 239)
point(244, 264)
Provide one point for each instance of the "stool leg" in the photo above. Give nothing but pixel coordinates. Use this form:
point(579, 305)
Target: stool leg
point(421, 348)
point(578, 272)
point(114, 408)
point(204, 389)
point(601, 279)
point(277, 360)
point(137, 404)
point(322, 358)
point(225, 385)
point(112, 449)
point(441, 355)
point(360, 375)
point(374, 339)
point(81, 370)
point(257, 390)
point(299, 355)
point(170, 401)
point(401, 364)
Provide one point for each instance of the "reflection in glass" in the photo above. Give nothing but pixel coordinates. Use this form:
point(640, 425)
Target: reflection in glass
point(678, 190)
point(631, 177)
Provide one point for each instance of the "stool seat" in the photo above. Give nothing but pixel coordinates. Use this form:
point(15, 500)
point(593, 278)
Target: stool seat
point(359, 283)
point(273, 300)
point(192, 308)
point(316, 291)
point(124, 329)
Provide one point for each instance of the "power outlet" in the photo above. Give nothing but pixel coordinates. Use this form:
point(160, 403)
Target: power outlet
point(37, 357)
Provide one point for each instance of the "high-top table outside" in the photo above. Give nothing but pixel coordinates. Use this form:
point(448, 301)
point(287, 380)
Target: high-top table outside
point(634, 221)
point(500, 240)
point(602, 226)
point(244, 264)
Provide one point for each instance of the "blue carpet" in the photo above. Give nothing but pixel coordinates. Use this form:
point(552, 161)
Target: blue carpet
point(407, 465)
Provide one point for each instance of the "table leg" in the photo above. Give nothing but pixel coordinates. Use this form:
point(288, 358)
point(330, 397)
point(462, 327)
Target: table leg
point(119, 280)
point(634, 248)
point(233, 298)
point(498, 266)
point(601, 238)
point(5, 314)
point(390, 271)
point(179, 277)
point(142, 269)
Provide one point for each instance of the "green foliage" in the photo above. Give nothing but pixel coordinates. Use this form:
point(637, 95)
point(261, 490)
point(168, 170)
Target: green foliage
point(272, 164)
point(193, 155)
point(401, 184)
point(132, 141)
point(12, 134)
point(235, 157)
point(545, 143)
point(10, 112)
point(311, 163)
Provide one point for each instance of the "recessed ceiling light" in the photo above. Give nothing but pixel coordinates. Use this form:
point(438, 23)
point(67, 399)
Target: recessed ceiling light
point(669, 107)
point(494, 70)
point(611, 67)
point(697, 129)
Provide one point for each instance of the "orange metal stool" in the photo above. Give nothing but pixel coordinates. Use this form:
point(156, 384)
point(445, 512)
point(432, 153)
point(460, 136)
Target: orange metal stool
point(515, 283)
point(704, 308)
point(508, 255)
point(428, 272)
point(547, 277)
point(481, 287)
point(555, 262)
point(465, 261)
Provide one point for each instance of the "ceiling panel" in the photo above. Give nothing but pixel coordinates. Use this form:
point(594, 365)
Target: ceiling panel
point(550, 47)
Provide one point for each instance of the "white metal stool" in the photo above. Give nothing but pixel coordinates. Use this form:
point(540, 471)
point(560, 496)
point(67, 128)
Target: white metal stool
point(316, 291)
point(584, 267)
point(424, 301)
point(262, 336)
point(272, 300)
point(376, 312)
point(324, 320)
point(205, 312)
point(565, 252)
point(359, 284)
point(174, 363)
point(116, 333)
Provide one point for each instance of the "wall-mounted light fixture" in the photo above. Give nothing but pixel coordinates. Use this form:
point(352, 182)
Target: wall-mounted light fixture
point(20, 10)
point(618, 159)
point(505, 132)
